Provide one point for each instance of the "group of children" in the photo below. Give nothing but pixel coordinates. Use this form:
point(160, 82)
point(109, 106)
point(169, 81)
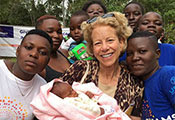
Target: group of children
point(145, 58)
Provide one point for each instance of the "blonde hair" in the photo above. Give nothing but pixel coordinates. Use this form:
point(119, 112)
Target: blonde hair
point(118, 22)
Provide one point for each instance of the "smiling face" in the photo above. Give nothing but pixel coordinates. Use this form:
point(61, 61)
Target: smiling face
point(142, 57)
point(133, 13)
point(106, 45)
point(95, 10)
point(75, 29)
point(53, 28)
point(33, 54)
point(151, 22)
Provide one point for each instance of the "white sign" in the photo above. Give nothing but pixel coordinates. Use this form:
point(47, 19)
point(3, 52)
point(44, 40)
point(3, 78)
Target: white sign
point(11, 36)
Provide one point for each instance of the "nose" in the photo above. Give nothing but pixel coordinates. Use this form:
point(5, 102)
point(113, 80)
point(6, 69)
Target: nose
point(34, 54)
point(55, 35)
point(77, 31)
point(131, 16)
point(104, 47)
point(152, 25)
point(96, 13)
point(136, 57)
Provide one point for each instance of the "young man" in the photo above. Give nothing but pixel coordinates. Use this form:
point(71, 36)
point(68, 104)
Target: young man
point(20, 82)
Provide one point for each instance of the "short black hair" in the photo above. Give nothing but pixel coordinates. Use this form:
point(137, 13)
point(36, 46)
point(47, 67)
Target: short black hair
point(137, 3)
point(40, 20)
point(90, 2)
point(150, 35)
point(80, 13)
point(40, 33)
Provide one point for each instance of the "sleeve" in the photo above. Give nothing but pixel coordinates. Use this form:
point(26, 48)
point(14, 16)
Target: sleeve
point(168, 84)
point(75, 72)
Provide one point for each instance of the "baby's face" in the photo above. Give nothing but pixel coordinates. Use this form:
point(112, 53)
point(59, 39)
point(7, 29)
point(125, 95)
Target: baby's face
point(67, 91)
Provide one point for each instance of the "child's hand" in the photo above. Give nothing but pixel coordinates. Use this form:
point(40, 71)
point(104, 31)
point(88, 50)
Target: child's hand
point(89, 94)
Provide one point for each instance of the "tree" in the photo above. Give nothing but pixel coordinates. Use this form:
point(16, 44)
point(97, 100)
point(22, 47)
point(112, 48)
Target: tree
point(25, 12)
point(54, 7)
point(21, 15)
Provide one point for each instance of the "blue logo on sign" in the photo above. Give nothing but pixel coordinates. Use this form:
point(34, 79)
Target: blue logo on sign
point(172, 80)
point(6, 32)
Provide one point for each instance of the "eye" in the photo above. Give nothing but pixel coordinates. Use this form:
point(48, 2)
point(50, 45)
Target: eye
point(158, 23)
point(71, 29)
point(43, 52)
point(129, 53)
point(49, 31)
point(110, 40)
point(59, 31)
point(137, 13)
point(142, 51)
point(97, 43)
point(126, 14)
point(28, 47)
point(91, 11)
point(145, 23)
point(100, 11)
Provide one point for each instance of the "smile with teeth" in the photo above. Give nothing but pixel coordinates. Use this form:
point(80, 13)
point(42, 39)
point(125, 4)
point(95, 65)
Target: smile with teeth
point(107, 55)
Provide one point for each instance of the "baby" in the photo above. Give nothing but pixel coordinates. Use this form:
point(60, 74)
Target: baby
point(59, 100)
point(84, 101)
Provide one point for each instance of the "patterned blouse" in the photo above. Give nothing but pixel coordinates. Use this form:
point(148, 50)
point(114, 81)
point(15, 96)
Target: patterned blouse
point(128, 91)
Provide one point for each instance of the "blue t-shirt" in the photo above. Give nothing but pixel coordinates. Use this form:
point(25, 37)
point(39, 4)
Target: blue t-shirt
point(159, 95)
point(167, 54)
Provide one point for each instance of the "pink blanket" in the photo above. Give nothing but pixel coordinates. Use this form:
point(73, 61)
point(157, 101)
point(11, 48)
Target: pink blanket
point(48, 106)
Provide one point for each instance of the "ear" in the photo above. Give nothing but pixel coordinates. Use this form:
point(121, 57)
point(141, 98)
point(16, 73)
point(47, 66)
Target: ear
point(158, 53)
point(122, 42)
point(17, 51)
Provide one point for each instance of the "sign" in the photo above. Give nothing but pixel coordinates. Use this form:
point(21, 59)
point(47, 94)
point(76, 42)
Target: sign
point(11, 36)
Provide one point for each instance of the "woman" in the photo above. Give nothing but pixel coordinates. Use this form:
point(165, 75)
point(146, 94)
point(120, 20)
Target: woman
point(159, 91)
point(58, 61)
point(20, 82)
point(94, 8)
point(133, 11)
point(106, 41)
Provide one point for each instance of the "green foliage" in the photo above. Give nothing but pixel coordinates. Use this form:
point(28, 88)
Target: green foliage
point(113, 5)
point(16, 12)
point(25, 12)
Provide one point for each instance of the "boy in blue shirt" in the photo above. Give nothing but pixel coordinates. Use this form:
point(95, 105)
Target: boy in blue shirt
point(159, 82)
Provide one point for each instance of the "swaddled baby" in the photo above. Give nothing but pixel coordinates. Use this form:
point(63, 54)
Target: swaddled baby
point(58, 100)
point(85, 101)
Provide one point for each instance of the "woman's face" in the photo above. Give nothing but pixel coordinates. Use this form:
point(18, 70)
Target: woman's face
point(151, 22)
point(133, 13)
point(33, 54)
point(142, 57)
point(53, 28)
point(95, 10)
point(106, 45)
